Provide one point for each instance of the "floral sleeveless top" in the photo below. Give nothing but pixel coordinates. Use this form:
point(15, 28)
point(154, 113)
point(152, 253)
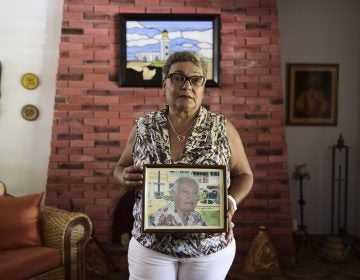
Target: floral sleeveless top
point(207, 144)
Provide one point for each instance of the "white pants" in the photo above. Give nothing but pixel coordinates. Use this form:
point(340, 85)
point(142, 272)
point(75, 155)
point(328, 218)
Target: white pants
point(147, 264)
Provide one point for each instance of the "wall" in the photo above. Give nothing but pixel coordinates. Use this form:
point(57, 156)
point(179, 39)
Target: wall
point(30, 36)
point(324, 31)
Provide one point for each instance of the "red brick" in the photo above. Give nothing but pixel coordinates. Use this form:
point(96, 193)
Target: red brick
point(96, 77)
point(96, 165)
point(81, 173)
point(58, 158)
point(81, 114)
point(106, 9)
point(79, 8)
point(96, 136)
point(146, 3)
point(91, 180)
point(68, 91)
point(183, 10)
point(158, 10)
point(96, 2)
point(82, 143)
point(248, 3)
point(132, 9)
point(81, 158)
point(106, 100)
point(95, 209)
point(106, 115)
point(60, 129)
point(82, 129)
point(96, 121)
point(59, 144)
point(57, 172)
point(96, 31)
point(208, 10)
point(72, 15)
point(80, 69)
point(172, 3)
point(70, 46)
point(95, 195)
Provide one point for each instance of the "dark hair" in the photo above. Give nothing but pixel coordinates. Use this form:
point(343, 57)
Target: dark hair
point(185, 56)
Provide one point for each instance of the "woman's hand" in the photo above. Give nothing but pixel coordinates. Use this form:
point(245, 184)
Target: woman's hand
point(126, 174)
point(229, 215)
point(132, 177)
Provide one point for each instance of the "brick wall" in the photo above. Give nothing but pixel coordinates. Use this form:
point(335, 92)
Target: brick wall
point(93, 115)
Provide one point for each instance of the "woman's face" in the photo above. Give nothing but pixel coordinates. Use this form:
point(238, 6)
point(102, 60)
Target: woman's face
point(184, 97)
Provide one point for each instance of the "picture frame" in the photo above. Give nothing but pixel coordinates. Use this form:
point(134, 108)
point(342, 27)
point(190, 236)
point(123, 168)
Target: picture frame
point(312, 94)
point(146, 41)
point(170, 197)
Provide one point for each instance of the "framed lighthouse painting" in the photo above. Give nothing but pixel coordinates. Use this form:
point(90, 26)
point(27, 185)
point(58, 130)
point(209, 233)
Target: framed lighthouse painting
point(147, 40)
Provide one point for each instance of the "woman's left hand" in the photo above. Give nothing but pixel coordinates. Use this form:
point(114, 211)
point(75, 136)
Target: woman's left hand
point(229, 215)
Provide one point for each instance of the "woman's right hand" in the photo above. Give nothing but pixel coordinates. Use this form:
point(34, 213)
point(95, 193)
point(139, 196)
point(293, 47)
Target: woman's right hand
point(132, 177)
point(126, 174)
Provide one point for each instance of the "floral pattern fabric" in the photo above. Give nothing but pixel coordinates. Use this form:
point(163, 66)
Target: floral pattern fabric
point(167, 216)
point(207, 145)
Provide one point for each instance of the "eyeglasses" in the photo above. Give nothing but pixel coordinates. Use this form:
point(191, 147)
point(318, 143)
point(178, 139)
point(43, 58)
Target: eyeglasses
point(179, 79)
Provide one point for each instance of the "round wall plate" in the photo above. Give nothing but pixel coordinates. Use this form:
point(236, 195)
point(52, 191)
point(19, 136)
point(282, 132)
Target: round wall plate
point(30, 81)
point(30, 112)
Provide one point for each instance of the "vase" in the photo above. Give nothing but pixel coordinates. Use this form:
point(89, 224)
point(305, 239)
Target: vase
point(262, 258)
point(334, 250)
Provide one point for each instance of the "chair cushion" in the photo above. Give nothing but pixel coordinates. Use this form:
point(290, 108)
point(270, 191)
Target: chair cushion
point(24, 263)
point(20, 221)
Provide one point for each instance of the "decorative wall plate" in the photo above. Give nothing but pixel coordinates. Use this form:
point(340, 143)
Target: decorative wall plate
point(30, 112)
point(30, 81)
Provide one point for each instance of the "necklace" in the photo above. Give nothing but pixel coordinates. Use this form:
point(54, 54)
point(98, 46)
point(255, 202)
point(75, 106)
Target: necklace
point(180, 137)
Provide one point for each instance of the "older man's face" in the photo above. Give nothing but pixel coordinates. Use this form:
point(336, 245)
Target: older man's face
point(186, 197)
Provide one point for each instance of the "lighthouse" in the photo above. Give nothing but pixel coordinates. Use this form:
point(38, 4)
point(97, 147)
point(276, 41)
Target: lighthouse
point(164, 45)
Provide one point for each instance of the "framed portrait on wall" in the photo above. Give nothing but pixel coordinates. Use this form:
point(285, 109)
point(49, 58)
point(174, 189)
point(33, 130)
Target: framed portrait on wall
point(312, 94)
point(147, 40)
point(184, 198)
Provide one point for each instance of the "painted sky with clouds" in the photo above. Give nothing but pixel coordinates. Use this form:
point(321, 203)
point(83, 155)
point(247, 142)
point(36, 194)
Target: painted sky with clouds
point(144, 36)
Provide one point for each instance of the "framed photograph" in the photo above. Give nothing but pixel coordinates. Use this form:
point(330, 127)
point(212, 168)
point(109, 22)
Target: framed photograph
point(147, 40)
point(312, 94)
point(184, 198)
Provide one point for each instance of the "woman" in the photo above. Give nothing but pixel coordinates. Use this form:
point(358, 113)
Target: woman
point(183, 132)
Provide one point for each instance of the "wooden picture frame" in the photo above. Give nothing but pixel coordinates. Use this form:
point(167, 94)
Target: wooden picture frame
point(170, 191)
point(312, 94)
point(146, 41)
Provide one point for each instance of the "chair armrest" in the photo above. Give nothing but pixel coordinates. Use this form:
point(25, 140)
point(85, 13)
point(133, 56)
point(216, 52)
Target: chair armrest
point(69, 232)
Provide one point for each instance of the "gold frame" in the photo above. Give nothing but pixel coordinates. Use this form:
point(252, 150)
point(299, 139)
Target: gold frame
point(312, 94)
